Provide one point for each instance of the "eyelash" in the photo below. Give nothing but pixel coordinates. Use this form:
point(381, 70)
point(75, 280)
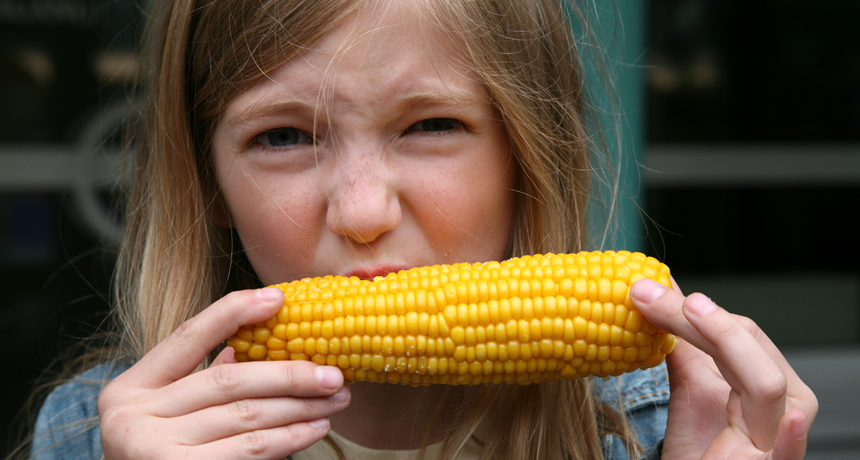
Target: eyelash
point(457, 125)
point(305, 138)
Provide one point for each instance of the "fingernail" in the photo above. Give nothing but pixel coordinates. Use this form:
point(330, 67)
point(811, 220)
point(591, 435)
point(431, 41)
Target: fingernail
point(798, 428)
point(268, 294)
point(328, 377)
point(647, 291)
point(321, 424)
point(341, 396)
point(228, 356)
point(700, 305)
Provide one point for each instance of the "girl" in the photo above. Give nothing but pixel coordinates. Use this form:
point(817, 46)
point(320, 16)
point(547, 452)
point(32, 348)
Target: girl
point(289, 139)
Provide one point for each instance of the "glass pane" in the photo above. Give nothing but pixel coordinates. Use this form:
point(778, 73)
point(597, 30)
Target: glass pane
point(63, 65)
point(753, 71)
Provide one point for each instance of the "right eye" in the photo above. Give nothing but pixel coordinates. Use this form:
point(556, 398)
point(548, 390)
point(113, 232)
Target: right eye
point(283, 138)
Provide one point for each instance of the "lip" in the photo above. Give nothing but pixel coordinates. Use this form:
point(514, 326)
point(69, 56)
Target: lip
point(369, 273)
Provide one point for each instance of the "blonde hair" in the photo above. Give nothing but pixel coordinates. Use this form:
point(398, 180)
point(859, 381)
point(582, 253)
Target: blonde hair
point(526, 55)
point(175, 261)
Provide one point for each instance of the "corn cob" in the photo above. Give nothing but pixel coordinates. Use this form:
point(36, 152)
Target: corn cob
point(525, 320)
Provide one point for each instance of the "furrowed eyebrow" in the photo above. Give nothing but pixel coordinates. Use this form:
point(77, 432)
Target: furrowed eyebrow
point(263, 110)
point(449, 98)
point(409, 100)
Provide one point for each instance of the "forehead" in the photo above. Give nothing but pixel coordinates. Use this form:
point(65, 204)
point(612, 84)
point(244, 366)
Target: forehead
point(400, 46)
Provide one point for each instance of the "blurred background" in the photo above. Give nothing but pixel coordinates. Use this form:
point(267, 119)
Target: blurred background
point(744, 116)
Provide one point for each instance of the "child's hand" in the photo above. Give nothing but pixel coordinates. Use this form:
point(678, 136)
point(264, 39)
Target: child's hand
point(733, 393)
point(268, 409)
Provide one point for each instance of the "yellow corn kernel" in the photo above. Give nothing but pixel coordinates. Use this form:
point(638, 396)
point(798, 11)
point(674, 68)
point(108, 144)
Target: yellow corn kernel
point(525, 320)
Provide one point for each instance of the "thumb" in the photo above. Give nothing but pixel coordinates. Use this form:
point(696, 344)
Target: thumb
point(225, 357)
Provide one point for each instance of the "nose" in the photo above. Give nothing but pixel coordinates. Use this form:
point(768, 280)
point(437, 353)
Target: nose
point(363, 201)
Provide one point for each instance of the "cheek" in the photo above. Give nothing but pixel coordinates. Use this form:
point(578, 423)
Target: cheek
point(276, 219)
point(259, 197)
point(471, 210)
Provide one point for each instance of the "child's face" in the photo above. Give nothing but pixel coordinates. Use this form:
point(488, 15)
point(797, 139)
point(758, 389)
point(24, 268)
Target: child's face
point(412, 165)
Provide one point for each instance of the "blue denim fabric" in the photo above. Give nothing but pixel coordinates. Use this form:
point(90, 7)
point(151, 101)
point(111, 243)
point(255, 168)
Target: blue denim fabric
point(644, 397)
point(67, 426)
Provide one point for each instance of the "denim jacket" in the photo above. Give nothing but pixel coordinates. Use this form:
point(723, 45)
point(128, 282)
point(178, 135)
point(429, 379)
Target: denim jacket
point(67, 425)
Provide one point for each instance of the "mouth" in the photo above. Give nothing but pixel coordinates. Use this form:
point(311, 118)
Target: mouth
point(369, 273)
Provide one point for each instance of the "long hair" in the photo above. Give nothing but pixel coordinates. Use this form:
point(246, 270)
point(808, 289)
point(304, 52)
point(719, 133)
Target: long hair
point(526, 54)
point(174, 261)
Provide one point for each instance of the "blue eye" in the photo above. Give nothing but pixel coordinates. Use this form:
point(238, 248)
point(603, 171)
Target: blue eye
point(283, 137)
point(436, 125)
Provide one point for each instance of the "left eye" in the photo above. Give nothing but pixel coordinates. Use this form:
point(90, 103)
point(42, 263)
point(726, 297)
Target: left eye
point(283, 137)
point(436, 125)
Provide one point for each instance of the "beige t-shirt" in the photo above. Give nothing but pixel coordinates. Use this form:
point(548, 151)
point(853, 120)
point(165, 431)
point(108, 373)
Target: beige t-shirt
point(353, 451)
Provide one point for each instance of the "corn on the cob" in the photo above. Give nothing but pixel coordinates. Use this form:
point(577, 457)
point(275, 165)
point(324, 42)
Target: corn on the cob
point(524, 320)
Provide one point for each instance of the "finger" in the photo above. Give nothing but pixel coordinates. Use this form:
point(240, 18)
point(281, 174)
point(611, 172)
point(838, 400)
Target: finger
point(274, 443)
point(801, 396)
point(233, 382)
point(675, 285)
point(745, 364)
point(732, 443)
point(791, 437)
point(742, 361)
point(225, 357)
point(686, 361)
point(663, 308)
point(179, 354)
point(688, 366)
point(247, 415)
point(668, 310)
point(669, 316)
